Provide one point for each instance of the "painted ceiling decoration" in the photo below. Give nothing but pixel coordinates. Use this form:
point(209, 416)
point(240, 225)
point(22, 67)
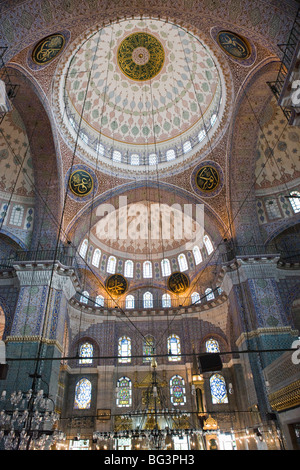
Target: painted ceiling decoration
point(138, 93)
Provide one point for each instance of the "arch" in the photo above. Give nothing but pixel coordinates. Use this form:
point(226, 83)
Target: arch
point(212, 346)
point(208, 244)
point(83, 248)
point(111, 265)
point(197, 254)
point(86, 351)
point(128, 268)
point(148, 300)
point(174, 348)
point(166, 300)
point(129, 301)
point(182, 262)
point(147, 269)
point(165, 267)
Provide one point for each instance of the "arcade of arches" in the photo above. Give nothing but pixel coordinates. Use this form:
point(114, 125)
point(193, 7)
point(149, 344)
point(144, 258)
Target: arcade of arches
point(149, 225)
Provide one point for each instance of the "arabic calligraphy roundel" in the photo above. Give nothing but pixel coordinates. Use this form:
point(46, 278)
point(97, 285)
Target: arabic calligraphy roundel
point(178, 282)
point(81, 182)
point(116, 285)
point(234, 45)
point(207, 179)
point(48, 48)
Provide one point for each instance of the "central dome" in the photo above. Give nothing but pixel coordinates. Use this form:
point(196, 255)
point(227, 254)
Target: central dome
point(139, 93)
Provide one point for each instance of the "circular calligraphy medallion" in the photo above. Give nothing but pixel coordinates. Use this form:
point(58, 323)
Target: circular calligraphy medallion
point(116, 284)
point(207, 179)
point(48, 48)
point(141, 56)
point(81, 183)
point(178, 282)
point(234, 45)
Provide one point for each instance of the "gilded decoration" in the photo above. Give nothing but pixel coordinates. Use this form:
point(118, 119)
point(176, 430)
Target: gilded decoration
point(207, 179)
point(287, 397)
point(81, 183)
point(141, 56)
point(116, 285)
point(234, 45)
point(178, 282)
point(48, 48)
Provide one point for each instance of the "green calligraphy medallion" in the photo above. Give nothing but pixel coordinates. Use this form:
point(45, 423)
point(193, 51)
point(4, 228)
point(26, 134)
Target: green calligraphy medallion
point(141, 56)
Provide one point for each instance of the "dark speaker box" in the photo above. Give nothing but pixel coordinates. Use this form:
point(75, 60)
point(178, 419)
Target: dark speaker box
point(210, 362)
point(3, 371)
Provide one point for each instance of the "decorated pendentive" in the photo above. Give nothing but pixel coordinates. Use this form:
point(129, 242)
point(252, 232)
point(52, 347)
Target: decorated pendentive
point(207, 179)
point(141, 56)
point(178, 283)
point(48, 49)
point(116, 285)
point(81, 182)
point(237, 47)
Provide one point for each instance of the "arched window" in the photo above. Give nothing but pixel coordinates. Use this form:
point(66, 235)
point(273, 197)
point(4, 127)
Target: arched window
point(174, 348)
point(195, 298)
point(124, 350)
point(187, 146)
point(111, 265)
point(147, 269)
point(295, 201)
point(165, 267)
point(100, 149)
point(86, 353)
point(129, 302)
point(148, 300)
point(177, 390)
point(170, 154)
point(83, 248)
point(16, 216)
point(152, 159)
point(183, 266)
point(218, 389)
point(96, 258)
point(208, 244)
point(83, 394)
point(116, 156)
point(213, 119)
point(212, 346)
point(209, 294)
point(124, 392)
point(84, 298)
point(134, 159)
point(99, 301)
point(148, 348)
point(201, 135)
point(166, 300)
point(128, 268)
point(197, 254)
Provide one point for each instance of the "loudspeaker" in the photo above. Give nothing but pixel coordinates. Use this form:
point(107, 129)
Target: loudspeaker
point(210, 362)
point(3, 371)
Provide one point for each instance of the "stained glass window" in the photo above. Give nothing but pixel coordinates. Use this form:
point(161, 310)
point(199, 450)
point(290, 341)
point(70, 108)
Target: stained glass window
point(166, 300)
point(83, 248)
point(148, 300)
point(84, 298)
point(129, 303)
point(208, 244)
point(295, 201)
point(183, 266)
point(209, 294)
point(111, 265)
point(174, 348)
point(96, 258)
point(148, 348)
point(124, 392)
point(99, 301)
point(212, 346)
point(177, 390)
point(165, 267)
point(86, 352)
point(147, 269)
point(197, 254)
point(218, 389)
point(128, 269)
point(83, 393)
point(195, 297)
point(124, 350)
